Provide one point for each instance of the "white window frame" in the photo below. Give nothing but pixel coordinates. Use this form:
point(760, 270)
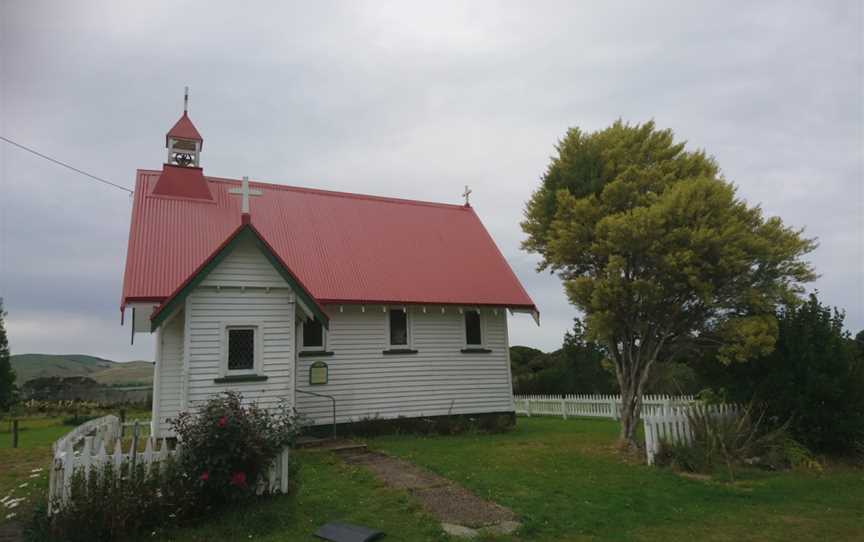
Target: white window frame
point(408, 324)
point(483, 340)
point(304, 348)
point(258, 343)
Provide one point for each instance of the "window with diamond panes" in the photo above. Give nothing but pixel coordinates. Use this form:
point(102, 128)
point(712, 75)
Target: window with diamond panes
point(241, 349)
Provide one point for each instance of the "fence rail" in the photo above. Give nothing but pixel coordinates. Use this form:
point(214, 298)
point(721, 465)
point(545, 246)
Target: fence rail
point(86, 449)
point(593, 406)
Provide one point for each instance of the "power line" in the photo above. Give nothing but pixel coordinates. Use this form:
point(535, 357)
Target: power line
point(59, 163)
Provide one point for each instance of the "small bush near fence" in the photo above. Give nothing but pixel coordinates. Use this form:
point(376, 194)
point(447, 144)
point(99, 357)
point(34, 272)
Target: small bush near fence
point(119, 502)
point(727, 440)
point(227, 449)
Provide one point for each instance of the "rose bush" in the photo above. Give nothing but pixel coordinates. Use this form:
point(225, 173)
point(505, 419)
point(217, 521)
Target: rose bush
point(228, 446)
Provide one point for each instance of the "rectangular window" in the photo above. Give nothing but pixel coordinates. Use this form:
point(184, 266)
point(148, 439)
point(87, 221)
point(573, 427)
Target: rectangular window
point(473, 329)
point(398, 328)
point(241, 349)
point(313, 335)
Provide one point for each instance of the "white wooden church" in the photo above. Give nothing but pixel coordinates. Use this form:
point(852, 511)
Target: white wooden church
point(390, 307)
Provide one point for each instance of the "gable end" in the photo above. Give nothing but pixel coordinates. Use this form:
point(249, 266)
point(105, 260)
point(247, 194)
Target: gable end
point(243, 233)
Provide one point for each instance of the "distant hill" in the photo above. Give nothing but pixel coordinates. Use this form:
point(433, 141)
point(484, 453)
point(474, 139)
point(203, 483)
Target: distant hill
point(132, 372)
point(112, 373)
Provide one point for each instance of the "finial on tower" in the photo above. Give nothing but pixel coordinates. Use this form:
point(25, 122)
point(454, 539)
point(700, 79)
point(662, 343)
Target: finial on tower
point(183, 141)
point(467, 195)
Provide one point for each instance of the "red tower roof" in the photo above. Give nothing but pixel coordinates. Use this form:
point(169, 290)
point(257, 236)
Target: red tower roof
point(184, 129)
point(343, 248)
point(182, 182)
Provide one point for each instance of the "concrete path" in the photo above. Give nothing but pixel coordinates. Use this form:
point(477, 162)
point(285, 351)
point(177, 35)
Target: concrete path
point(460, 512)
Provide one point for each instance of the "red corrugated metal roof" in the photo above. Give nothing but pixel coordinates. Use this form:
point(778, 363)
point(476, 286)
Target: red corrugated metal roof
point(345, 248)
point(184, 129)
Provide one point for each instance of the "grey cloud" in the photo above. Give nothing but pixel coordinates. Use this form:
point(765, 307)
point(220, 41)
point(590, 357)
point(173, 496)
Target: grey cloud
point(411, 100)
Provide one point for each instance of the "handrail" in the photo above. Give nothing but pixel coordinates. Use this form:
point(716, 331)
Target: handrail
point(325, 397)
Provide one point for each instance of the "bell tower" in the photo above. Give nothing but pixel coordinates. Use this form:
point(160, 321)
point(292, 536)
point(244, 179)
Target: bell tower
point(182, 176)
point(183, 141)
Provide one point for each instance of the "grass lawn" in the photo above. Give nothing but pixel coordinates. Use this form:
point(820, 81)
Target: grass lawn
point(35, 436)
point(566, 482)
point(329, 490)
point(562, 477)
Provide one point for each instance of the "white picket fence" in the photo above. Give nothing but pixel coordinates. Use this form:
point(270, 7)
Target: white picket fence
point(85, 449)
point(592, 406)
point(673, 425)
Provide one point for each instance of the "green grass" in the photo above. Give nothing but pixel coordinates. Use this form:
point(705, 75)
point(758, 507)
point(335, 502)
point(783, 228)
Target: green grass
point(565, 480)
point(35, 436)
point(328, 490)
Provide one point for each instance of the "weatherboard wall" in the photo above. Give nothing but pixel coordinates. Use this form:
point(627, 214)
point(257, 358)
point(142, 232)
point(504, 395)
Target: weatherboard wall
point(169, 373)
point(210, 311)
point(436, 380)
point(244, 289)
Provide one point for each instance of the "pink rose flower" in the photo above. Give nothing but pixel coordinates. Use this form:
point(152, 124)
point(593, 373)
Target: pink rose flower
point(204, 476)
point(222, 421)
point(238, 479)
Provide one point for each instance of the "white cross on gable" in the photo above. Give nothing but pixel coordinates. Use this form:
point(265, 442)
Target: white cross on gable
point(245, 192)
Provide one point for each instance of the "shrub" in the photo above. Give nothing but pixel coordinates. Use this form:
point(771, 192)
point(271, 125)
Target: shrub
point(815, 375)
point(227, 447)
point(731, 439)
point(113, 504)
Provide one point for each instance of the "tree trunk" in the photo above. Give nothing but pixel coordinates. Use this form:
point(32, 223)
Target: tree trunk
point(631, 407)
point(633, 365)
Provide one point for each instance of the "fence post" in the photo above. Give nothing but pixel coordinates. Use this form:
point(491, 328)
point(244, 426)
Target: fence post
point(563, 407)
point(528, 407)
point(283, 480)
point(133, 452)
point(122, 421)
point(14, 433)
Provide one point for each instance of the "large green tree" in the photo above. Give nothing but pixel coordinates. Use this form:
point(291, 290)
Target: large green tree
point(659, 252)
point(7, 375)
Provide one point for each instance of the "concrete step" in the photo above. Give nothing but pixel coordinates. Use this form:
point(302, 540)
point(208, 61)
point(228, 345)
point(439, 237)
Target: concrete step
point(311, 442)
point(348, 449)
point(332, 445)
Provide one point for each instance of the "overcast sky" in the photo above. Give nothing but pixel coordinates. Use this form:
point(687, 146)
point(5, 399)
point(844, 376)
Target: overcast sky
point(411, 100)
